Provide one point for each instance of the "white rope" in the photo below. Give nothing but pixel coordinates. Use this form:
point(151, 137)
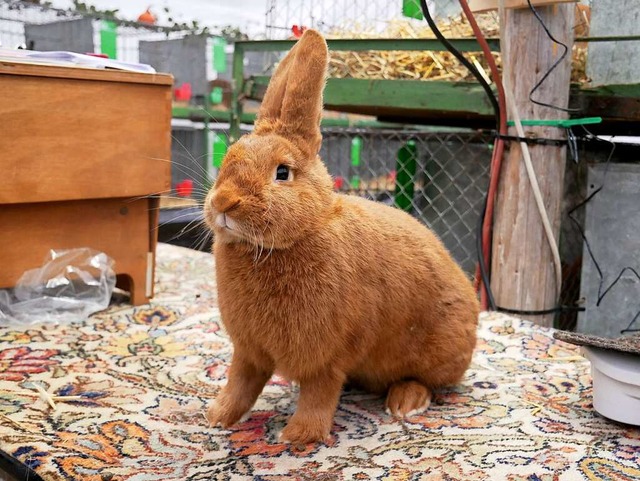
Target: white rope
point(535, 187)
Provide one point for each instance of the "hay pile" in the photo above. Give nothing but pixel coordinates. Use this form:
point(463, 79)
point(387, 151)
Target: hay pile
point(425, 65)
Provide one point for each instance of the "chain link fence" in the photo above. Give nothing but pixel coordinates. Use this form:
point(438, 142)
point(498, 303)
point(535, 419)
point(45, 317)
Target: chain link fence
point(438, 177)
point(370, 16)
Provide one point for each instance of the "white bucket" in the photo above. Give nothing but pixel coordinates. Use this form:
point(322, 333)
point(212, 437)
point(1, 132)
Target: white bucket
point(616, 384)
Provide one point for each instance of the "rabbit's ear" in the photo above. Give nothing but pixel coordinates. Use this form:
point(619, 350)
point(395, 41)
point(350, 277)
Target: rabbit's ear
point(301, 110)
point(271, 105)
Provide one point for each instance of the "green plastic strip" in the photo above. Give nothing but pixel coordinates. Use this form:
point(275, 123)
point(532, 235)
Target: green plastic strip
point(405, 173)
point(109, 38)
point(219, 55)
point(559, 123)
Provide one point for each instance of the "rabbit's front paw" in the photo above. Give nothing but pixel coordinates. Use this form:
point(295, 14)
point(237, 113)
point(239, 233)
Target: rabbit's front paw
point(300, 431)
point(221, 414)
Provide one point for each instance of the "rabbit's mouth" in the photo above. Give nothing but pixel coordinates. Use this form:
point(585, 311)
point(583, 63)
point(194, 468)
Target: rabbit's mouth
point(225, 223)
point(228, 229)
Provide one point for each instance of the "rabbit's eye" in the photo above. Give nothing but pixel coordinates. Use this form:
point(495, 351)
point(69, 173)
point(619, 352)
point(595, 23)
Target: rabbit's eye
point(283, 173)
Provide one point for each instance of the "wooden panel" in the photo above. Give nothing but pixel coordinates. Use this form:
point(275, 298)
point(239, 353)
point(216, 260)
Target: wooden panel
point(486, 5)
point(123, 229)
point(66, 138)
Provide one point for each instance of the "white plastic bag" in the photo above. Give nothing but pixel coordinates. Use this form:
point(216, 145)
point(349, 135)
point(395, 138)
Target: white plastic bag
point(70, 286)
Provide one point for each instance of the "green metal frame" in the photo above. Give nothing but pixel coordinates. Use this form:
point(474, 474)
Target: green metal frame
point(410, 94)
point(356, 45)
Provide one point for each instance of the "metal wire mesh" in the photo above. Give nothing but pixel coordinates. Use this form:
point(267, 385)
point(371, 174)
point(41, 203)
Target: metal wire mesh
point(441, 184)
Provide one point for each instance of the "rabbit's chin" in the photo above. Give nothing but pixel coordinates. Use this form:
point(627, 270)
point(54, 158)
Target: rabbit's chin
point(226, 235)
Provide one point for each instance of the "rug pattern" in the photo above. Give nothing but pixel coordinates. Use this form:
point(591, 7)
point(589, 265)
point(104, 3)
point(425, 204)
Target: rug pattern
point(146, 374)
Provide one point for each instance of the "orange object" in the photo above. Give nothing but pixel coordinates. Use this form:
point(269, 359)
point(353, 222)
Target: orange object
point(147, 17)
point(311, 306)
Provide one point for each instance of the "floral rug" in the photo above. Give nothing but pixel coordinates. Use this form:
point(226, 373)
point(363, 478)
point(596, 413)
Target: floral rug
point(142, 377)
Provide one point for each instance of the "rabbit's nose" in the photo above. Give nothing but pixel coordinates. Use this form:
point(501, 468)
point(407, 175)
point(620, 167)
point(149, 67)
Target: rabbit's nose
point(225, 200)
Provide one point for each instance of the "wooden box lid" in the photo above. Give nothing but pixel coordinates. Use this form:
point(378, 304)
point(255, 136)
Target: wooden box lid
point(79, 133)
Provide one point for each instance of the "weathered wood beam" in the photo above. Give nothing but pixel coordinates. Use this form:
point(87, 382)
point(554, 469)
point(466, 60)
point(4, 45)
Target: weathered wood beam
point(523, 274)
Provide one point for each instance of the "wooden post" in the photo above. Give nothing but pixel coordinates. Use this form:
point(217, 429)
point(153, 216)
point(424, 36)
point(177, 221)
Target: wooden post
point(523, 275)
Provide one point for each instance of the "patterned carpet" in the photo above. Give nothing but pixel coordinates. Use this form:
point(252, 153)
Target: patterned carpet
point(144, 376)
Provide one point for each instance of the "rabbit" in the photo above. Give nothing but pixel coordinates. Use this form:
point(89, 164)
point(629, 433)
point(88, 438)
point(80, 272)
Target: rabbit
point(324, 288)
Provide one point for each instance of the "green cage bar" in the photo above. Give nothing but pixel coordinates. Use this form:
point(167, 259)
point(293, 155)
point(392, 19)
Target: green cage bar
point(356, 151)
point(216, 95)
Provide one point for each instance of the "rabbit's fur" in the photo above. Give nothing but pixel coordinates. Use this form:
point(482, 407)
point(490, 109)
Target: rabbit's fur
point(320, 287)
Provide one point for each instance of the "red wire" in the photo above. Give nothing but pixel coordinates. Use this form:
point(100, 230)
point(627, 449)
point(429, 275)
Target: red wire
point(496, 159)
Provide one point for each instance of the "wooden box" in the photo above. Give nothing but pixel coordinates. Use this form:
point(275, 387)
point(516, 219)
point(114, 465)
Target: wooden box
point(81, 153)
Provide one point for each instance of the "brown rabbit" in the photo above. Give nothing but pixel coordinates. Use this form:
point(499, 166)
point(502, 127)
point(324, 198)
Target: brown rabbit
point(320, 287)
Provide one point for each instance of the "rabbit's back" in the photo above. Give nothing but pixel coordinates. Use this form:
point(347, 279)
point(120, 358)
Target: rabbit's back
point(427, 309)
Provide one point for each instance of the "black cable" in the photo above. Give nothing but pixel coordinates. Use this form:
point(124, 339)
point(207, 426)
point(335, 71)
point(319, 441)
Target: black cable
point(628, 328)
point(483, 267)
point(532, 140)
point(542, 312)
point(463, 60)
point(484, 273)
point(552, 68)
